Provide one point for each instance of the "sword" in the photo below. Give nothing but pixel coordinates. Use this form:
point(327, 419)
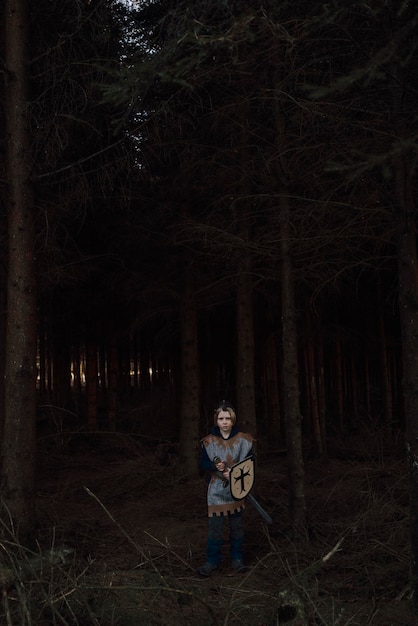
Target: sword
point(260, 509)
point(250, 497)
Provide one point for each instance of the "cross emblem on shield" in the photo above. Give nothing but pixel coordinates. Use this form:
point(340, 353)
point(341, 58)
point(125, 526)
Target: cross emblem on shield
point(241, 478)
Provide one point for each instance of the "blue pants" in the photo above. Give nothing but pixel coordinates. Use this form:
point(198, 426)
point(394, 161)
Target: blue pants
point(215, 537)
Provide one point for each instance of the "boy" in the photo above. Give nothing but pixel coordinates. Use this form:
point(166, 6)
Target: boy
point(220, 450)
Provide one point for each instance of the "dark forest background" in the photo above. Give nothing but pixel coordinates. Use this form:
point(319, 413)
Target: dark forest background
point(205, 201)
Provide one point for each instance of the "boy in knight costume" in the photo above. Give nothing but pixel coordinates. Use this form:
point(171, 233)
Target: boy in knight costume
point(221, 449)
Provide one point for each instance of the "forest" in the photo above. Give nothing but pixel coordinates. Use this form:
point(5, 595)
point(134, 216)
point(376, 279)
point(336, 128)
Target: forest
point(208, 201)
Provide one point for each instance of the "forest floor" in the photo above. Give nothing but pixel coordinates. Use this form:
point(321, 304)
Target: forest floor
point(135, 533)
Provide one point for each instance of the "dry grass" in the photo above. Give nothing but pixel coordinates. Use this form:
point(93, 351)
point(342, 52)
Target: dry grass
point(137, 533)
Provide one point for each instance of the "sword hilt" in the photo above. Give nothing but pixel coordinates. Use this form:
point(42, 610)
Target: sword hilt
point(217, 460)
point(225, 481)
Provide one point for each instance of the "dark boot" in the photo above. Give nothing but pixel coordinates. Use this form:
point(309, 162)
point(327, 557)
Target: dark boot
point(207, 569)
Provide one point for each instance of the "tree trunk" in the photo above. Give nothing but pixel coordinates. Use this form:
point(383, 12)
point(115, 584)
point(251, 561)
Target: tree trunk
point(112, 384)
point(135, 364)
point(77, 366)
point(313, 390)
point(3, 326)
point(18, 452)
point(408, 308)
point(321, 398)
point(339, 379)
point(271, 391)
point(190, 385)
point(245, 354)
point(91, 385)
point(352, 384)
point(58, 367)
point(385, 373)
point(293, 419)
point(144, 366)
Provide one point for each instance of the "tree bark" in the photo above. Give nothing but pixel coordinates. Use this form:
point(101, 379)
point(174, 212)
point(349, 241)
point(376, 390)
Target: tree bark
point(245, 354)
point(91, 385)
point(18, 451)
point(385, 373)
point(313, 391)
point(321, 398)
point(271, 391)
point(3, 325)
point(113, 376)
point(408, 310)
point(190, 384)
point(339, 377)
point(291, 396)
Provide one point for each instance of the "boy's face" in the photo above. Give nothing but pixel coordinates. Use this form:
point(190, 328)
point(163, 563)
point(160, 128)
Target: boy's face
point(224, 422)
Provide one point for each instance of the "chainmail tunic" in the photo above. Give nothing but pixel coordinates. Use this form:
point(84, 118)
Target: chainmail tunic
point(232, 450)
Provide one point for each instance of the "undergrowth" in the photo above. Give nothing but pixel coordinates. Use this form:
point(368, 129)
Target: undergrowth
point(123, 550)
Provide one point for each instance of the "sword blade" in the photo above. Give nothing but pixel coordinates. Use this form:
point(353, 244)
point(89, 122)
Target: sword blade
point(260, 509)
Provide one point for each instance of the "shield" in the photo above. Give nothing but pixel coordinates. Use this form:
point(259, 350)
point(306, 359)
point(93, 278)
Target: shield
point(241, 478)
